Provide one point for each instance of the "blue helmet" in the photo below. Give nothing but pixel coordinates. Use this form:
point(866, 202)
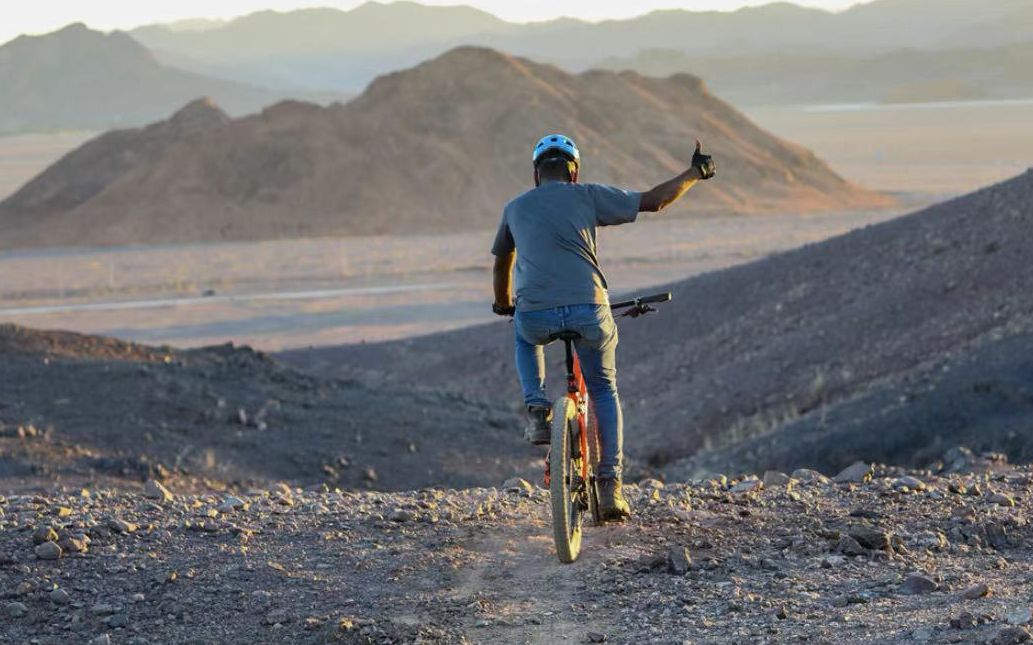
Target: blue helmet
point(556, 143)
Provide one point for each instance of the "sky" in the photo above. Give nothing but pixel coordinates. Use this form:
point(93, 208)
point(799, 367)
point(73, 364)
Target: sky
point(41, 16)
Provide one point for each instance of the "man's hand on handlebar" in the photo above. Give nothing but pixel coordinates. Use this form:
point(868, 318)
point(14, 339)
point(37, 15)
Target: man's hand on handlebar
point(503, 310)
point(638, 310)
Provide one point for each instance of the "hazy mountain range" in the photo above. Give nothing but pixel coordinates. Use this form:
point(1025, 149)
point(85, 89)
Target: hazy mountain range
point(327, 48)
point(436, 148)
point(888, 50)
point(80, 78)
point(900, 76)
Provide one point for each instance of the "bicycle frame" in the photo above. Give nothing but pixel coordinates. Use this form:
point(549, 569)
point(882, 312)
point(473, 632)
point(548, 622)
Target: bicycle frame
point(577, 392)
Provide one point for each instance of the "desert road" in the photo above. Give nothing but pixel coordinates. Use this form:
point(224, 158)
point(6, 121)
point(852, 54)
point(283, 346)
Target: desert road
point(159, 303)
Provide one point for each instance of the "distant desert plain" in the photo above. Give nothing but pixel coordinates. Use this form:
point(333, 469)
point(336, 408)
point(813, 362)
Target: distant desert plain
point(293, 293)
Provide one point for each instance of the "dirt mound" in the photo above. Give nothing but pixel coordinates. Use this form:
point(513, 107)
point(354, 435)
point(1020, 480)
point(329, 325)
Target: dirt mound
point(804, 560)
point(77, 408)
point(15, 340)
point(80, 78)
point(742, 352)
point(436, 148)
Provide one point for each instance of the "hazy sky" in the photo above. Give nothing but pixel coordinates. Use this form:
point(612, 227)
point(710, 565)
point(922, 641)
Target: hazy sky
point(39, 16)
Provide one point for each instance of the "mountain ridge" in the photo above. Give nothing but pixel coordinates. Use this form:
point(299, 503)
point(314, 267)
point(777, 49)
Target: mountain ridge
point(449, 130)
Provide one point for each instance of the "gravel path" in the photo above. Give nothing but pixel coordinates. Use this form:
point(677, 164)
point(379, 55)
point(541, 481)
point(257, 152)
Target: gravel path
point(902, 558)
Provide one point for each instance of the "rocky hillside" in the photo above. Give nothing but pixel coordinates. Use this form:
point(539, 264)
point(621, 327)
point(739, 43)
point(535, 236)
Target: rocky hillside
point(80, 78)
point(891, 342)
point(85, 409)
point(800, 559)
point(439, 147)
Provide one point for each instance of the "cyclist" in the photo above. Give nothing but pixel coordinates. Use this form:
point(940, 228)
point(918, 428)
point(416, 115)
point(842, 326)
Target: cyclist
point(549, 233)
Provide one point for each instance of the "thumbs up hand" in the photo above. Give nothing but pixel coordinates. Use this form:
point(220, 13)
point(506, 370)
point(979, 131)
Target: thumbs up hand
point(704, 163)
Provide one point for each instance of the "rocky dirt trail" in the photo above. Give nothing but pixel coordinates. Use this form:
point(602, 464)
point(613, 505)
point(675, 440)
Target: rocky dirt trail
point(874, 555)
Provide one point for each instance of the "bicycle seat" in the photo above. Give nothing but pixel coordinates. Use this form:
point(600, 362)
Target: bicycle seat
point(565, 335)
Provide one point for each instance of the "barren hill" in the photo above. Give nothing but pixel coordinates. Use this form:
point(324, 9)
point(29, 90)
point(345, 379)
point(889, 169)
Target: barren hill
point(77, 408)
point(889, 343)
point(80, 78)
point(440, 147)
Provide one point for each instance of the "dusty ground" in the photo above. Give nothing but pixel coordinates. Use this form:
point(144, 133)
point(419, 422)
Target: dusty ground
point(908, 148)
point(276, 295)
point(896, 560)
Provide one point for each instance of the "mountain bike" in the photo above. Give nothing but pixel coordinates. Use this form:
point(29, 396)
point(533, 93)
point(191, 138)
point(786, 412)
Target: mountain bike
point(573, 456)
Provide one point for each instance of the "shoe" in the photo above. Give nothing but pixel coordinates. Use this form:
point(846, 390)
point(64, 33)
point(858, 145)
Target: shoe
point(612, 505)
point(539, 425)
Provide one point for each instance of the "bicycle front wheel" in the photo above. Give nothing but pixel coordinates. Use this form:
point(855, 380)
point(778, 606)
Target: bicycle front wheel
point(565, 485)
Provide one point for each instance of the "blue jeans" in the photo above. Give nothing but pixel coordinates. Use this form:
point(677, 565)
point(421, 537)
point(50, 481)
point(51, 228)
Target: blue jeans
point(597, 351)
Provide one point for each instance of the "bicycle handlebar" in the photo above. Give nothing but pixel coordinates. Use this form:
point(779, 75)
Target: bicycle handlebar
point(643, 300)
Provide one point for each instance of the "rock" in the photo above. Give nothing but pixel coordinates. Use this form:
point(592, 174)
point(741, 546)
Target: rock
point(1001, 499)
point(231, 504)
point(1019, 616)
point(73, 545)
point(980, 590)
point(48, 551)
point(44, 534)
point(154, 489)
point(858, 472)
point(104, 609)
point(401, 515)
point(15, 609)
point(849, 546)
point(103, 639)
point(277, 617)
point(650, 483)
point(1011, 636)
point(678, 560)
point(915, 584)
point(370, 474)
point(870, 537)
point(776, 479)
point(964, 620)
point(60, 597)
point(832, 561)
point(121, 526)
point(596, 637)
point(62, 511)
point(748, 486)
point(808, 476)
point(517, 485)
point(910, 483)
point(117, 620)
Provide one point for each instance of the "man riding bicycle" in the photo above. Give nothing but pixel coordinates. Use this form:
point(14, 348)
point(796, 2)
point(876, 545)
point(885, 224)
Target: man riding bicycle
point(549, 233)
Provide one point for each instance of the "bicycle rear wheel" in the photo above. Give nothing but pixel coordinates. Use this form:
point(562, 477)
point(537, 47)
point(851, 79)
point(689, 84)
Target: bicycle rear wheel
point(566, 486)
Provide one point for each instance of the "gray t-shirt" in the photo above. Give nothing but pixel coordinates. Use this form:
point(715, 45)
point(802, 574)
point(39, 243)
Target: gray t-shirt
point(552, 228)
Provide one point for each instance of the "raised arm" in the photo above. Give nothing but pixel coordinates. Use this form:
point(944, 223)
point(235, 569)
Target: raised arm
point(659, 197)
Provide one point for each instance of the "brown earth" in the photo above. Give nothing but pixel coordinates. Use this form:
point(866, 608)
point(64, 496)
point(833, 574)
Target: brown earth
point(883, 312)
point(906, 558)
point(455, 132)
